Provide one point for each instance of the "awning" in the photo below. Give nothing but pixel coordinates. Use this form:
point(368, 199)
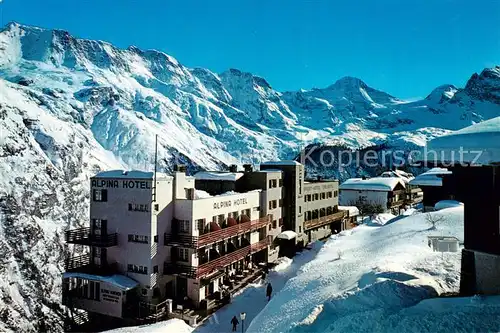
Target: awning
point(289, 234)
point(120, 281)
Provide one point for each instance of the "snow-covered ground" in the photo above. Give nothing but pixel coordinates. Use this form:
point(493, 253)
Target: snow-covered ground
point(252, 300)
point(377, 284)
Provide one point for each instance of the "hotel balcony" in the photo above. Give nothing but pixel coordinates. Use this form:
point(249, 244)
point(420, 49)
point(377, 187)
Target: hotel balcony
point(217, 264)
point(82, 236)
point(83, 264)
point(321, 221)
point(214, 235)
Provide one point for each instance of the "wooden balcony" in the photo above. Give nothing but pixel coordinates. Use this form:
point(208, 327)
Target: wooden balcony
point(218, 263)
point(83, 236)
point(215, 236)
point(83, 264)
point(397, 203)
point(316, 223)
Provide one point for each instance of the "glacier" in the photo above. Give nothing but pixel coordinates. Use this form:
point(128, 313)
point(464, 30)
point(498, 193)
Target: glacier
point(72, 107)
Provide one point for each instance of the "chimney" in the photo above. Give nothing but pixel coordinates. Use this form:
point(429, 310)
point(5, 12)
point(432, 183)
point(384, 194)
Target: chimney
point(363, 177)
point(233, 168)
point(248, 167)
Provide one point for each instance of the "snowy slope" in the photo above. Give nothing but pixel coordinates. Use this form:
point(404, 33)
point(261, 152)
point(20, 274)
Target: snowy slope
point(383, 271)
point(71, 107)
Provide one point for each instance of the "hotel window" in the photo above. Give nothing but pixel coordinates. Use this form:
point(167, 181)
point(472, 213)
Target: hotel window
point(157, 207)
point(316, 196)
point(329, 195)
point(300, 229)
point(137, 269)
point(138, 207)
point(275, 224)
point(200, 224)
point(183, 226)
point(97, 223)
point(274, 182)
point(182, 254)
point(273, 204)
point(100, 195)
point(155, 269)
point(138, 238)
point(300, 209)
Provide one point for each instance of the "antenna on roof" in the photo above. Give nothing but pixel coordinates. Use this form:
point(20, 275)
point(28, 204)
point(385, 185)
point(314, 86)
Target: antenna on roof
point(156, 162)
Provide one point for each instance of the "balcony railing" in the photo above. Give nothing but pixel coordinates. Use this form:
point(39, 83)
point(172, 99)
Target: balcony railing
point(397, 203)
point(216, 264)
point(216, 236)
point(83, 236)
point(83, 264)
point(181, 240)
point(324, 220)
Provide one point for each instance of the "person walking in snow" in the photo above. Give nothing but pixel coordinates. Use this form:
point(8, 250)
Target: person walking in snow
point(269, 291)
point(235, 323)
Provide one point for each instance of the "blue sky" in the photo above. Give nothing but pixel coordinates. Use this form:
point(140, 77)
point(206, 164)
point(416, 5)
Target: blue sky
point(403, 47)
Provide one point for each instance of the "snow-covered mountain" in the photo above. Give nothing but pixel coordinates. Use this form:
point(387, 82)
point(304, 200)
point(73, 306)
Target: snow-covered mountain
point(70, 107)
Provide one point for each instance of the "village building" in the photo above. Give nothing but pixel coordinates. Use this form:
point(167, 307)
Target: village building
point(380, 194)
point(431, 183)
point(473, 157)
point(414, 194)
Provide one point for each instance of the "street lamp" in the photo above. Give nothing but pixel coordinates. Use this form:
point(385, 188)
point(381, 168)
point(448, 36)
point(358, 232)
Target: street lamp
point(242, 317)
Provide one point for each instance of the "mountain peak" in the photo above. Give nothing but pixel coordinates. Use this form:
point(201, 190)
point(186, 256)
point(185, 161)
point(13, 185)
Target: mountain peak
point(348, 83)
point(484, 86)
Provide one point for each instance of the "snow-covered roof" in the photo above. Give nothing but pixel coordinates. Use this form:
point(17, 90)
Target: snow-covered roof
point(353, 210)
point(200, 194)
point(285, 162)
point(132, 174)
point(431, 177)
point(483, 137)
point(372, 184)
point(270, 170)
point(214, 175)
point(406, 177)
point(120, 281)
point(288, 234)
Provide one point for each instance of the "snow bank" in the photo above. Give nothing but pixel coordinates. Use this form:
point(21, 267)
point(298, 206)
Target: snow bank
point(282, 264)
point(381, 219)
point(443, 204)
point(383, 272)
point(172, 325)
point(372, 184)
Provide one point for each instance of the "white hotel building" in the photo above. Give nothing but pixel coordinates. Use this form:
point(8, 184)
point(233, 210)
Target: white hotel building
point(151, 239)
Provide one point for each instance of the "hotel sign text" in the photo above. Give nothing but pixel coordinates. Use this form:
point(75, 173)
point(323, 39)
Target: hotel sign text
point(229, 203)
point(128, 184)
